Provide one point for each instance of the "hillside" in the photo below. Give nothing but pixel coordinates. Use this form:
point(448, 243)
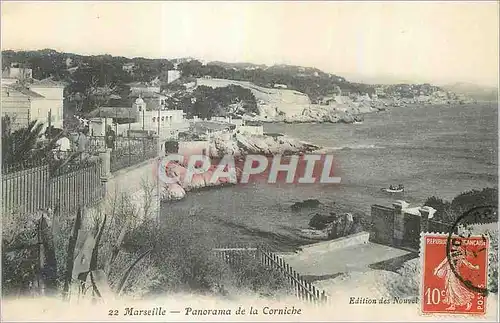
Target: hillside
point(268, 93)
point(247, 66)
point(270, 102)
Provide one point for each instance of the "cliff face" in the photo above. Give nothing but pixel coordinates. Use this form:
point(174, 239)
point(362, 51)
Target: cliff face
point(235, 145)
point(338, 109)
point(271, 102)
point(286, 105)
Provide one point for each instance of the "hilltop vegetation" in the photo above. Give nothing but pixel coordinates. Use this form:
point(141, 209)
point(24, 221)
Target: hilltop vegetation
point(215, 102)
point(92, 79)
point(108, 69)
point(310, 81)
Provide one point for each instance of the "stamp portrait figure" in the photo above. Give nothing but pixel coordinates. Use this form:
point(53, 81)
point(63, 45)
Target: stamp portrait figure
point(456, 294)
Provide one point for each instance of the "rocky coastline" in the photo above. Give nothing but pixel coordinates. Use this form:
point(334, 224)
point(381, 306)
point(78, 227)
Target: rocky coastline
point(236, 145)
point(352, 109)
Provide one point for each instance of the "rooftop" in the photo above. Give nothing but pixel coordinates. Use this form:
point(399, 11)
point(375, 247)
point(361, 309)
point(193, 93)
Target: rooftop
point(202, 126)
point(24, 90)
point(113, 112)
point(48, 83)
point(141, 85)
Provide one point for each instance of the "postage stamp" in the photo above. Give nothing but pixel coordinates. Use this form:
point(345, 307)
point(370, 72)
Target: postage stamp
point(449, 269)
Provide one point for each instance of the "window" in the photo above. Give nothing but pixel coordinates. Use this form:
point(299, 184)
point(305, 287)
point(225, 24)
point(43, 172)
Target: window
point(162, 119)
point(154, 119)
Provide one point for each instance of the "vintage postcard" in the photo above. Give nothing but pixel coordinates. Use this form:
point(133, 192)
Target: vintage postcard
point(249, 161)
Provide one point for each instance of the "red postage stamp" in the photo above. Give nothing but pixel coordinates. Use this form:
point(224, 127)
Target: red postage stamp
point(454, 272)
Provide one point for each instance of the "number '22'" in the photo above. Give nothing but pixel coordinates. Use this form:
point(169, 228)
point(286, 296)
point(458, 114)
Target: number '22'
point(113, 312)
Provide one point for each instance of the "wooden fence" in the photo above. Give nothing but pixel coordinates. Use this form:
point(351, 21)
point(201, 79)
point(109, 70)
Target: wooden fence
point(32, 189)
point(303, 289)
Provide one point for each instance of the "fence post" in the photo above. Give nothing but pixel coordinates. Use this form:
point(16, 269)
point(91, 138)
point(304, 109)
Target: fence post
point(105, 156)
point(399, 223)
point(425, 215)
point(130, 151)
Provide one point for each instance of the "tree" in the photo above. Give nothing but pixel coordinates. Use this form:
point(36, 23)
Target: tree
point(474, 198)
point(442, 207)
point(449, 212)
point(192, 68)
point(25, 145)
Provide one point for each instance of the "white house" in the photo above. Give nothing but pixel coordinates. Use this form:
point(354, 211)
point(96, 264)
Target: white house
point(138, 88)
point(19, 104)
point(235, 121)
point(128, 67)
point(168, 123)
point(41, 100)
point(53, 92)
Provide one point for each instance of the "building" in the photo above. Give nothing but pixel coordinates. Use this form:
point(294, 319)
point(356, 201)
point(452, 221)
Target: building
point(19, 105)
point(190, 86)
point(173, 75)
point(168, 123)
point(154, 100)
point(69, 62)
point(72, 70)
point(40, 100)
point(119, 118)
point(205, 129)
point(53, 92)
point(128, 67)
point(97, 126)
point(235, 121)
point(17, 71)
point(138, 88)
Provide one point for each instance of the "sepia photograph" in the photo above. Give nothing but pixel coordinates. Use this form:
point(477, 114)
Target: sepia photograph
point(249, 161)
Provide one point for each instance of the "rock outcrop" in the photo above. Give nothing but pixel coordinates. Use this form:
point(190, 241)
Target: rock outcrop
point(309, 203)
point(339, 109)
point(236, 145)
point(330, 225)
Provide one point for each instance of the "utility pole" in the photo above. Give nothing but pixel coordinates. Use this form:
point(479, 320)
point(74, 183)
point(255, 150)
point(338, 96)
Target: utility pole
point(116, 121)
point(159, 109)
point(159, 120)
point(49, 118)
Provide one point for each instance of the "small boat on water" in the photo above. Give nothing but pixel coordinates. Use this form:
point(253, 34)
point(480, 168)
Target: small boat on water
point(393, 189)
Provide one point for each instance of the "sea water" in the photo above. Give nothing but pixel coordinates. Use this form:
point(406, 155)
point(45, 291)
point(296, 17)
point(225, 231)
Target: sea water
point(432, 150)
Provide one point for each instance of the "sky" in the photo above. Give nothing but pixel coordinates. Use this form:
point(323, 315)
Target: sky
point(437, 42)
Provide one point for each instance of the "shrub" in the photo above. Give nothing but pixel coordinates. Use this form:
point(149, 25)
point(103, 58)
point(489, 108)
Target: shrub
point(320, 221)
point(450, 211)
point(183, 259)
